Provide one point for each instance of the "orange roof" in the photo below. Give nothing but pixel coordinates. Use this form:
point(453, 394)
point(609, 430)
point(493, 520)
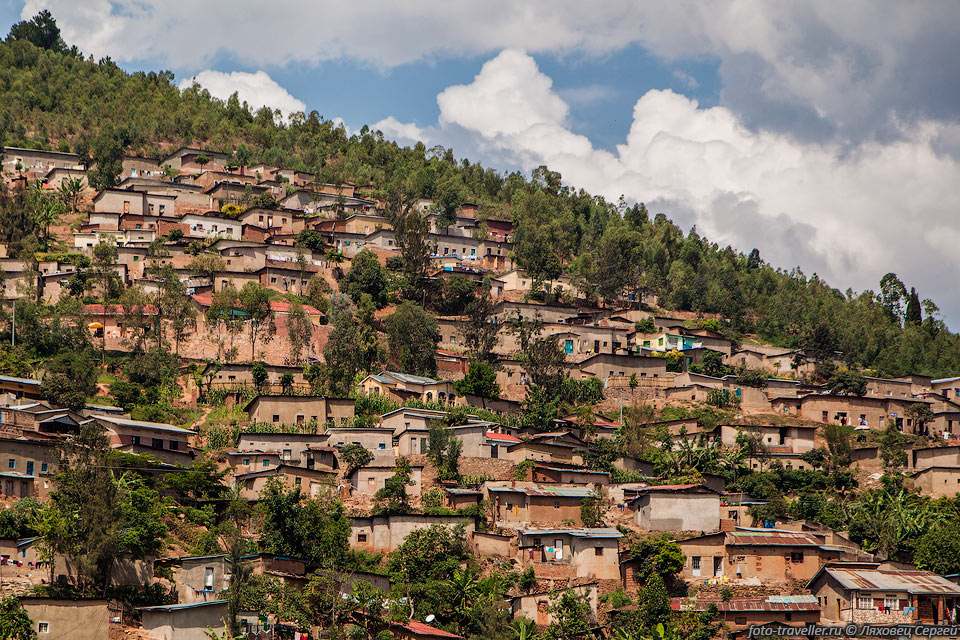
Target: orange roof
point(277, 306)
point(493, 435)
point(423, 629)
point(114, 309)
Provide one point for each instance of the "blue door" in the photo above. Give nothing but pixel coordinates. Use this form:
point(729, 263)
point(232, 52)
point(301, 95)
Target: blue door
point(568, 346)
point(30, 468)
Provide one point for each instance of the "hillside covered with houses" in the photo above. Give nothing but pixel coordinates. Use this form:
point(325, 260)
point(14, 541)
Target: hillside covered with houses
point(267, 379)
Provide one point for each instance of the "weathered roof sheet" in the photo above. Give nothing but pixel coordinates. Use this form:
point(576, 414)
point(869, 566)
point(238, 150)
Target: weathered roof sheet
point(771, 603)
point(600, 532)
point(561, 492)
point(593, 471)
point(177, 607)
point(773, 538)
point(127, 422)
point(914, 582)
point(29, 381)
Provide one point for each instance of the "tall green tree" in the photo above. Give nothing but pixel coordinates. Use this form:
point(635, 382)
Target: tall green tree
point(479, 328)
point(913, 314)
point(70, 377)
point(258, 314)
point(412, 232)
point(107, 150)
point(366, 276)
point(481, 380)
point(41, 31)
point(542, 358)
point(299, 331)
point(84, 523)
point(392, 499)
point(412, 337)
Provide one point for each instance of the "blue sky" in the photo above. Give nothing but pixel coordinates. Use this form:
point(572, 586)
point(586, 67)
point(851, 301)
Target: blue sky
point(825, 134)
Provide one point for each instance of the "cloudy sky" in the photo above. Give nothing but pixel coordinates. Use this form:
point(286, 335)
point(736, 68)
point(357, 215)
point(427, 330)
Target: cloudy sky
point(826, 134)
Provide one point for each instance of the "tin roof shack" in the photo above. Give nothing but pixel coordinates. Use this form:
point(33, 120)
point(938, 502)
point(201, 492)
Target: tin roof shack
point(520, 503)
point(868, 592)
point(768, 555)
point(163, 441)
point(536, 606)
point(184, 621)
point(409, 417)
point(458, 498)
point(742, 613)
point(401, 387)
point(571, 553)
point(300, 409)
point(867, 411)
point(369, 479)
point(937, 482)
point(926, 457)
point(199, 578)
point(793, 439)
point(311, 482)
point(300, 449)
point(677, 507)
point(476, 438)
point(568, 475)
point(246, 461)
point(486, 543)
point(735, 506)
point(39, 417)
point(20, 387)
point(548, 447)
point(383, 534)
point(60, 618)
point(376, 440)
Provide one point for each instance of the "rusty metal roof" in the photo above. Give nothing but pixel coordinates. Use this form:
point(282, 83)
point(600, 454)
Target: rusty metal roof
point(564, 492)
point(778, 538)
point(597, 532)
point(914, 582)
point(803, 602)
point(669, 487)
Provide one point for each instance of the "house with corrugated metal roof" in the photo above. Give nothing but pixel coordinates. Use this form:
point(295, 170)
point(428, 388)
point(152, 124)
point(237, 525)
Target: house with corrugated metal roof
point(676, 507)
point(571, 553)
point(524, 503)
point(741, 613)
point(761, 556)
point(165, 442)
point(875, 593)
point(401, 387)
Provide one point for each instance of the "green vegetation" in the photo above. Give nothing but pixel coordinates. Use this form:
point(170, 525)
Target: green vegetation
point(54, 98)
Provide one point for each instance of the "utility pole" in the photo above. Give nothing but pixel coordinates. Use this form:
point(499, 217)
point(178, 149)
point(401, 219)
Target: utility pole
point(13, 330)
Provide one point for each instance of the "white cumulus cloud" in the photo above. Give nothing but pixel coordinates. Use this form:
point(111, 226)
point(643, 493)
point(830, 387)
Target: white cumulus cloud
point(849, 212)
point(404, 132)
point(811, 67)
point(256, 89)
